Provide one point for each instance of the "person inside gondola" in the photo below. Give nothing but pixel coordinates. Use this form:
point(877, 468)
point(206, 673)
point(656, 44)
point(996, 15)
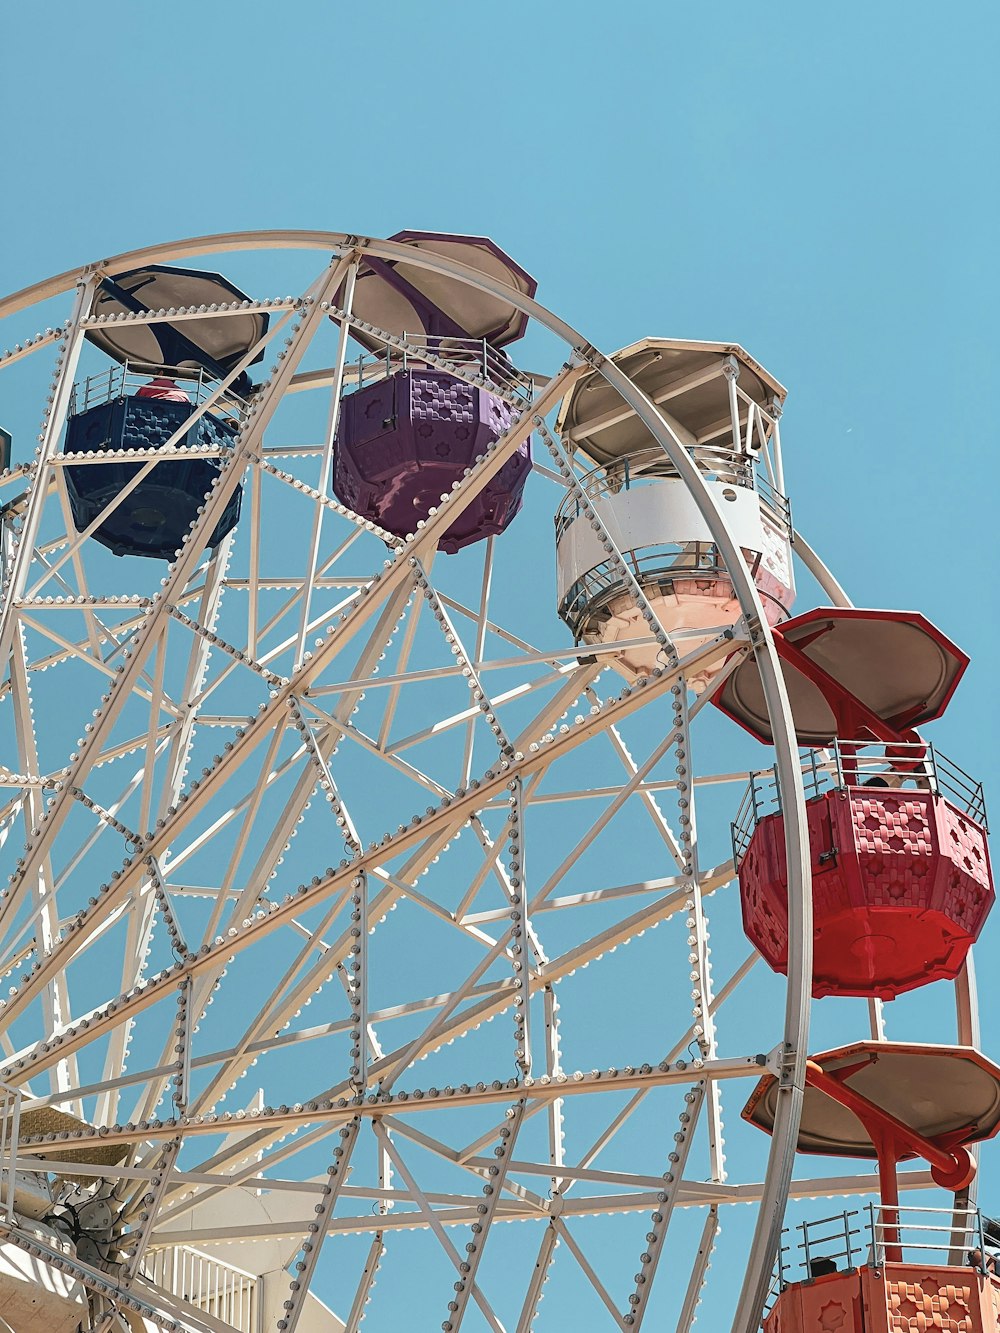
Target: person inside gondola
point(983, 1262)
point(167, 390)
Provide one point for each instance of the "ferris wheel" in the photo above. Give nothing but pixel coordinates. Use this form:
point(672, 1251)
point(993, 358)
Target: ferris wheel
point(331, 793)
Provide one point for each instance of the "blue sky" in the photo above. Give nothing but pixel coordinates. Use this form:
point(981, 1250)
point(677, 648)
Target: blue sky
point(817, 183)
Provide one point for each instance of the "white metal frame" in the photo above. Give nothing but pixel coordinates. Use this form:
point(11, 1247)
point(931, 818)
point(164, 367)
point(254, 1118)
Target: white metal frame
point(299, 743)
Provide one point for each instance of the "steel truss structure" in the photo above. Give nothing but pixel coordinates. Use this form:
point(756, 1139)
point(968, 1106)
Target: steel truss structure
point(254, 730)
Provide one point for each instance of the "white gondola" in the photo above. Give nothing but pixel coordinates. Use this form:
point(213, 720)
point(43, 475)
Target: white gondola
point(724, 408)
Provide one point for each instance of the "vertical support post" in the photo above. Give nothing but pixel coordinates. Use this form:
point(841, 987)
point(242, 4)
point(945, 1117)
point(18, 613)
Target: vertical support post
point(257, 1298)
point(847, 762)
point(875, 1256)
point(384, 1179)
point(930, 767)
point(888, 1186)
point(255, 482)
point(553, 1066)
point(182, 1047)
point(731, 370)
point(775, 411)
point(519, 929)
point(876, 1018)
point(12, 1133)
point(781, 1258)
point(841, 779)
point(697, 922)
point(358, 983)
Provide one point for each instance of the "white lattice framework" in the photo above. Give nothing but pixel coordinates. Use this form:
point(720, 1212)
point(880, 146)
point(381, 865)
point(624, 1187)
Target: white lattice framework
point(259, 727)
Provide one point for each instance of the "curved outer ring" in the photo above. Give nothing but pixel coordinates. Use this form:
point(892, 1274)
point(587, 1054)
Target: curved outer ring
point(781, 1157)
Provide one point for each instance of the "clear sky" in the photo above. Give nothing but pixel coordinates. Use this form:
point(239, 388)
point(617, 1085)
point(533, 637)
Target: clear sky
point(816, 182)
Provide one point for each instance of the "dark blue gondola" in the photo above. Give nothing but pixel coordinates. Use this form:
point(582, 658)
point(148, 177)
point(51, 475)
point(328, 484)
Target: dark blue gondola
point(153, 518)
